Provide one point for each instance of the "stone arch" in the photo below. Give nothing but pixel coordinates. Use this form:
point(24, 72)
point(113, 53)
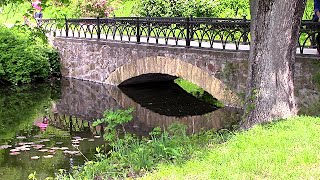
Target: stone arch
point(175, 67)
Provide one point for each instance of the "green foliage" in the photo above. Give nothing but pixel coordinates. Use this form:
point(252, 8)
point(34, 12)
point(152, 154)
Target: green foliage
point(25, 55)
point(124, 9)
point(131, 156)
point(54, 62)
point(58, 10)
point(311, 110)
point(94, 8)
point(14, 10)
point(201, 8)
point(281, 150)
point(112, 120)
point(19, 107)
point(33, 176)
point(308, 12)
point(316, 79)
point(196, 8)
point(198, 92)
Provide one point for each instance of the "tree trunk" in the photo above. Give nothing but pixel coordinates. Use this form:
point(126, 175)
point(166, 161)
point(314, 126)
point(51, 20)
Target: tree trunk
point(274, 34)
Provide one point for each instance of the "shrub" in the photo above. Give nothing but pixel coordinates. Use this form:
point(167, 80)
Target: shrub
point(201, 8)
point(94, 8)
point(24, 56)
point(196, 8)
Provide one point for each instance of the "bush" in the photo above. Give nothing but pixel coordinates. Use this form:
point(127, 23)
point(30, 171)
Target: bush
point(196, 8)
point(24, 57)
point(201, 8)
point(94, 8)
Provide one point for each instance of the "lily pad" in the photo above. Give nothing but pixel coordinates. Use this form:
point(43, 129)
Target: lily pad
point(21, 137)
point(48, 156)
point(35, 157)
point(51, 151)
point(43, 150)
point(55, 148)
point(14, 150)
point(14, 153)
point(5, 147)
point(75, 142)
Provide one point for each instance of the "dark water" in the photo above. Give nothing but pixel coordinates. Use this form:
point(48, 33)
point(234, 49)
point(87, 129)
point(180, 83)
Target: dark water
point(71, 106)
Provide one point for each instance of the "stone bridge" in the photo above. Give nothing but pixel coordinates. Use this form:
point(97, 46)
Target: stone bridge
point(222, 73)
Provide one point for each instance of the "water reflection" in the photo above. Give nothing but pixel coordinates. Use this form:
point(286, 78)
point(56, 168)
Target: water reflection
point(167, 98)
point(56, 119)
point(29, 138)
point(89, 100)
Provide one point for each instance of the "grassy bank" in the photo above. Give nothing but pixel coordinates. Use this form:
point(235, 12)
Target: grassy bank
point(288, 149)
point(283, 150)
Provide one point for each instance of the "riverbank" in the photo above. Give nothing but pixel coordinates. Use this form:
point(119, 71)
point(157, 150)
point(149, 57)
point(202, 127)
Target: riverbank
point(288, 149)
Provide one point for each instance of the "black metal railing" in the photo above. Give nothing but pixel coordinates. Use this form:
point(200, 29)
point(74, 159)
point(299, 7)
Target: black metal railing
point(188, 32)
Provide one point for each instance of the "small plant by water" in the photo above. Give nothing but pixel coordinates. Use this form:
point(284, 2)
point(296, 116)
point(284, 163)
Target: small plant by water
point(113, 119)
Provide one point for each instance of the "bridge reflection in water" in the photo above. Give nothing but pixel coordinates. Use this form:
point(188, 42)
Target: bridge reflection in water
point(82, 102)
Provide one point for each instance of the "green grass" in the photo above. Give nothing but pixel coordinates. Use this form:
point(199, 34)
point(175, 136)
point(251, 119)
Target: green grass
point(198, 92)
point(188, 86)
point(287, 149)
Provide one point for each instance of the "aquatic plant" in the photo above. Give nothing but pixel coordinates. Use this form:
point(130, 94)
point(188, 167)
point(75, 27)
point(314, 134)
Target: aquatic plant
point(112, 119)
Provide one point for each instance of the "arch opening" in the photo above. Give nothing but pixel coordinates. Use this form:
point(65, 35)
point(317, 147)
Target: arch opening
point(166, 96)
point(171, 68)
point(148, 78)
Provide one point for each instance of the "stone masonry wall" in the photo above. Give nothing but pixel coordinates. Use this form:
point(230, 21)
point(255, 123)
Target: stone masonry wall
point(96, 60)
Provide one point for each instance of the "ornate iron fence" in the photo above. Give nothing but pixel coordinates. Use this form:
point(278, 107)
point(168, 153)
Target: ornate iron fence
point(188, 32)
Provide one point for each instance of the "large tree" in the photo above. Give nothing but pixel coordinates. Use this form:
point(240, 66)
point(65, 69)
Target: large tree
point(274, 34)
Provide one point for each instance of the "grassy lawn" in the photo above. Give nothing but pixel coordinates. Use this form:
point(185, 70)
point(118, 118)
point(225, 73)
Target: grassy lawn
point(288, 149)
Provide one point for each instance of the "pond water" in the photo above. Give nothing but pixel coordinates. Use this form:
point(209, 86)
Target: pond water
point(47, 127)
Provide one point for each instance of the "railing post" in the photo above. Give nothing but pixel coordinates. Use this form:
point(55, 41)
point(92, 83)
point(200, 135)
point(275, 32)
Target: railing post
point(313, 40)
point(149, 24)
point(114, 30)
point(67, 27)
point(98, 28)
point(245, 37)
point(191, 28)
point(188, 32)
point(138, 30)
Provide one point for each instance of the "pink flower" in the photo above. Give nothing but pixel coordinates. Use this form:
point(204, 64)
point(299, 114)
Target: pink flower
point(36, 5)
